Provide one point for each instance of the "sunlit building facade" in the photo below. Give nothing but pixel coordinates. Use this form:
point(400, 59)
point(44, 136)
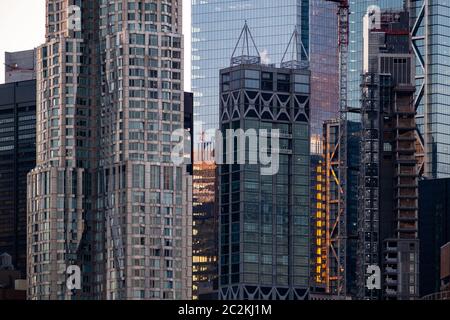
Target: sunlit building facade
point(105, 195)
point(205, 242)
point(324, 65)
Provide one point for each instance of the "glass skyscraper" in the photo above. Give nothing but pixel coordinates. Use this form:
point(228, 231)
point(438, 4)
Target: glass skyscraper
point(431, 42)
point(17, 158)
point(216, 25)
point(324, 65)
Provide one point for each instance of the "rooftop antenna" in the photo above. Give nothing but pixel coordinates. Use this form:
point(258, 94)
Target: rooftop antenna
point(296, 44)
point(246, 57)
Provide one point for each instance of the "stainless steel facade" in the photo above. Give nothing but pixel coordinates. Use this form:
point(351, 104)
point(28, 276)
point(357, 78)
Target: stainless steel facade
point(105, 195)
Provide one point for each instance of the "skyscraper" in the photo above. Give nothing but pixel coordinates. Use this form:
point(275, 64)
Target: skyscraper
point(17, 158)
point(217, 24)
point(105, 195)
point(264, 223)
point(388, 180)
point(324, 65)
point(429, 21)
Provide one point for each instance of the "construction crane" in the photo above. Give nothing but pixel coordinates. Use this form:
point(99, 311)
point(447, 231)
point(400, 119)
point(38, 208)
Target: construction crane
point(339, 229)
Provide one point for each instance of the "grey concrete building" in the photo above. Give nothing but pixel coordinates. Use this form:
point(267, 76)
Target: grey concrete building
point(105, 195)
point(20, 66)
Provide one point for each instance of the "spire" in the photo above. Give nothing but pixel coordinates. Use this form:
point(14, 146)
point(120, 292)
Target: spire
point(244, 53)
point(294, 51)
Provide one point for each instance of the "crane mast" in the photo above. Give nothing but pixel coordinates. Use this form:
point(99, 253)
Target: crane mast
point(338, 231)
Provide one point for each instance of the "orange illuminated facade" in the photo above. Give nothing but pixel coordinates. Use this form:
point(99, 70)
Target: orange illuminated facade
point(204, 232)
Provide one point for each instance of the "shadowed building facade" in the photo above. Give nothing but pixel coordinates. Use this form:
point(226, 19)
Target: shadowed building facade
point(17, 158)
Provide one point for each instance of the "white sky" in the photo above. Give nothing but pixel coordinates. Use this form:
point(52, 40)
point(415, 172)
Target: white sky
point(22, 27)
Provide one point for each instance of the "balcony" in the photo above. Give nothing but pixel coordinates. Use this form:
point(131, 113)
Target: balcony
point(391, 259)
point(390, 249)
point(390, 270)
point(391, 293)
point(391, 281)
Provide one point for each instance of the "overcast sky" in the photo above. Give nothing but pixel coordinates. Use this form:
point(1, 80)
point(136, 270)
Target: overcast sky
point(22, 27)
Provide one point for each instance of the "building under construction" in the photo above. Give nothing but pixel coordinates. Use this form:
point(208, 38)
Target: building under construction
point(388, 180)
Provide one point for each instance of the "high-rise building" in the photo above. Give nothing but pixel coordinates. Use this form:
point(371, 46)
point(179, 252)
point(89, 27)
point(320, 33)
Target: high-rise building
point(388, 181)
point(358, 10)
point(324, 65)
point(20, 66)
point(429, 21)
point(264, 225)
point(445, 268)
point(17, 158)
point(105, 195)
point(434, 231)
point(217, 24)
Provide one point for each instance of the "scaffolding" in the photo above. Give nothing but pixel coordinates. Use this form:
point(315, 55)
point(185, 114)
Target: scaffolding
point(341, 173)
point(333, 196)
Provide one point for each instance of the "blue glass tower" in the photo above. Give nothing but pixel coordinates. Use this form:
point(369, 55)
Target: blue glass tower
point(431, 41)
point(216, 25)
